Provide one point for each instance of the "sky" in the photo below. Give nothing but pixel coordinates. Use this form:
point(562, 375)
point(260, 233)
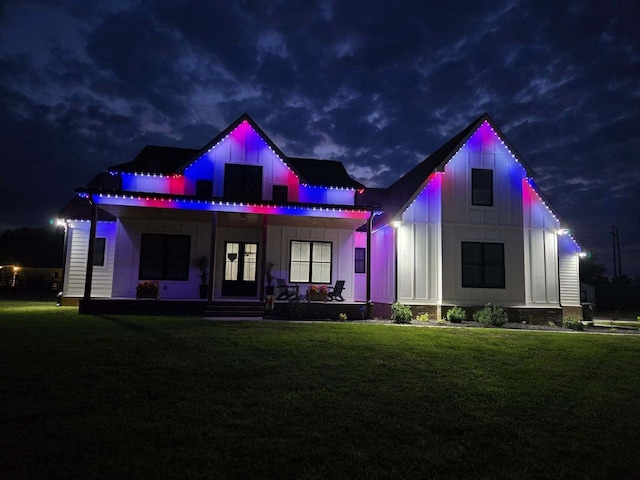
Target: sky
point(376, 85)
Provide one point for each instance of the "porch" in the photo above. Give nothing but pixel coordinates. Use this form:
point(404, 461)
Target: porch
point(282, 310)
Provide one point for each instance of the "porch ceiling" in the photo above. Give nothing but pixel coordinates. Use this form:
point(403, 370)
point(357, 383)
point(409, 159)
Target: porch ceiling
point(226, 219)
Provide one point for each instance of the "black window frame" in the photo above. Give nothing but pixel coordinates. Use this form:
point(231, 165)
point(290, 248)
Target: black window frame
point(279, 193)
point(360, 260)
point(161, 265)
point(243, 182)
point(479, 268)
point(99, 249)
point(482, 187)
point(311, 261)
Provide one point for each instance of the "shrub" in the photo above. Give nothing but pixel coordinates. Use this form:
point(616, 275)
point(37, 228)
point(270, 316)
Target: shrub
point(491, 316)
point(551, 324)
point(456, 315)
point(573, 322)
point(401, 313)
point(423, 317)
point(441, 322)
point(342, 317)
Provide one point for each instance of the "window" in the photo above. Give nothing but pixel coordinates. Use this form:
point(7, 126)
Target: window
point(360, 260)
point(242, 182)
point(99, 245)
point(483, 265)
point(164, 257)
point(482, 187)
point(310, 262)
point(204, 188)
point(280, 194)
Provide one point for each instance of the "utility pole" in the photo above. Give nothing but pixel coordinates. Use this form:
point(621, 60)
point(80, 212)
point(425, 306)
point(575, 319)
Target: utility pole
point(617, 263)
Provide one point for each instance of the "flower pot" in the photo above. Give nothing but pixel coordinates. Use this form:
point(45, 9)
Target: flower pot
point(316, 297)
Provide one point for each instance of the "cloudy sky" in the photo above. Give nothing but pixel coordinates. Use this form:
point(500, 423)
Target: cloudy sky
point(377, 85)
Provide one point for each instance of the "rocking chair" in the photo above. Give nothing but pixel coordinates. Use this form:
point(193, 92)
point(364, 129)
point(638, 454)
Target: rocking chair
point(285, 292)
point(335, 293)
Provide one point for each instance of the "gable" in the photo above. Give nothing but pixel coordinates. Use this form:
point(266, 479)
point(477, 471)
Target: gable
point(480, 135)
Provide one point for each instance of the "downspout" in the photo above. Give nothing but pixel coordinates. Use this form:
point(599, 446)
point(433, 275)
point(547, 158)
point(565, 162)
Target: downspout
point(92, 240)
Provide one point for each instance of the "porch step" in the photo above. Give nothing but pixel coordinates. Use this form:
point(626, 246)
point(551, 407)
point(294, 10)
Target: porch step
point(234, 310)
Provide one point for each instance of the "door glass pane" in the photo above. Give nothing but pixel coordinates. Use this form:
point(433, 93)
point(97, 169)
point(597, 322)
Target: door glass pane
point(250, 259)
point(231, 261)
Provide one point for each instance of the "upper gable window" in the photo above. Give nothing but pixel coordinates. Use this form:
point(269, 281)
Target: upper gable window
point(242, 182)
point(280, 194)
point(482, 187)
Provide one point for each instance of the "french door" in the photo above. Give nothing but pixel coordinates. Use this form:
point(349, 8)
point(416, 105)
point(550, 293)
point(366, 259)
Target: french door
point(240, 269)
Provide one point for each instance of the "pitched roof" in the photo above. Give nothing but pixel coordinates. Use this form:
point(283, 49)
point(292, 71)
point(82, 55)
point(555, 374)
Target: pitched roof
point(402, 192)
point(156, 159)
point(326, 173)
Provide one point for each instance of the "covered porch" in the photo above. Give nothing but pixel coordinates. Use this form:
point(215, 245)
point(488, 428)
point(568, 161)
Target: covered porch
point(233, 242)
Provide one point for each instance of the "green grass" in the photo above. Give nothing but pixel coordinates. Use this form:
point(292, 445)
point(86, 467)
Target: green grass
point(150, 397)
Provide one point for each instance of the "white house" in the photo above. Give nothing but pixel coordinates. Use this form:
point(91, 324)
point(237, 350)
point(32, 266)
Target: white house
point(465, 227)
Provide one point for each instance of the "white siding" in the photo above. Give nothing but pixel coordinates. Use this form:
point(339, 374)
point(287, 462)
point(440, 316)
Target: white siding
point(382, 266)
point(127, 265)
point(569, 272)
point(420, 248)
point(540, 251)
point(501, 223)
point(343, 244)
point(76, 261)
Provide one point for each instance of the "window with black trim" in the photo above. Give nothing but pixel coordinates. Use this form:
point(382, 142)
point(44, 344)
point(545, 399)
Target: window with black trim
point(482, 187)
point(483, 265)
point(280, 194)
point(310, 262)
point(99, 246)
point(204, 188)
point(360, 260)
point(164, 257)
point(242, 182)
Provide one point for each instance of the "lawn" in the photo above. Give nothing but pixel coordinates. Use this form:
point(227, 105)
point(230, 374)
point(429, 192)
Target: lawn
point(150, 397)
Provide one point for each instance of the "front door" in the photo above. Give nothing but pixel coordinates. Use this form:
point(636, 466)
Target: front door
point(240, 267)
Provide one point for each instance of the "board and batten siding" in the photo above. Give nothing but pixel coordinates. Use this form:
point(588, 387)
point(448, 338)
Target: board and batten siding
point(342, 263)
point(498, 223)
point(540, 250)
point(420, 248)
point(127, 265)
point(76, 261)
point(382, 266)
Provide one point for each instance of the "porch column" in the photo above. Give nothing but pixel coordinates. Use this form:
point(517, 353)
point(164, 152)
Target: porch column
point(263, 259)
point(92, 240)
point(368, 259)
point(212, 256)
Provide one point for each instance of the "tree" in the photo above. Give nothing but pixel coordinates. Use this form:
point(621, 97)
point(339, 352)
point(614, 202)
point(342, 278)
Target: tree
point(32, 247)
point(592, 272)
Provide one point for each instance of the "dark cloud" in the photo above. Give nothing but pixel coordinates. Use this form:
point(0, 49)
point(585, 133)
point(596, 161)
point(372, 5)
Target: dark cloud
point(377, 85)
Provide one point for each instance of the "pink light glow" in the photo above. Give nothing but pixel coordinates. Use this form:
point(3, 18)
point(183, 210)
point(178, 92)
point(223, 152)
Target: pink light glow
point(232, 207)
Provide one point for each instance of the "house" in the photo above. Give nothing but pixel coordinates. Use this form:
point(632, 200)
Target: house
point(466, 226)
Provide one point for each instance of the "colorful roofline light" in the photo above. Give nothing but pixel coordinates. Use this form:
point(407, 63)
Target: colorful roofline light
point(154, 201)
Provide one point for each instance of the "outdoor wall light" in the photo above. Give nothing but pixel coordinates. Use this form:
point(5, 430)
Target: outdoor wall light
point(582, 254)
point(562, 231)
point(396, 224)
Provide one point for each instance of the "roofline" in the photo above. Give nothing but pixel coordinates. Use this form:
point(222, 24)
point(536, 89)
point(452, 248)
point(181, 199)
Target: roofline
point(235, 124)
point(473, 128)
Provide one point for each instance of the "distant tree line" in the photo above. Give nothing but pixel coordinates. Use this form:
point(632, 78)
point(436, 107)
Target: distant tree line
point(32, 247)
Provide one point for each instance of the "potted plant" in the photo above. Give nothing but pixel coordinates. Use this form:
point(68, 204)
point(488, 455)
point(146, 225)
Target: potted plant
point(268, 276)
point(147, 289)
point(203, 265)
point(317, 294)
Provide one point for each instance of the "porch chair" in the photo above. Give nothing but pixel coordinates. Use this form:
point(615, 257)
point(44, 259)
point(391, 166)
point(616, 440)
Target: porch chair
point(335, 293)
point(285, 292)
